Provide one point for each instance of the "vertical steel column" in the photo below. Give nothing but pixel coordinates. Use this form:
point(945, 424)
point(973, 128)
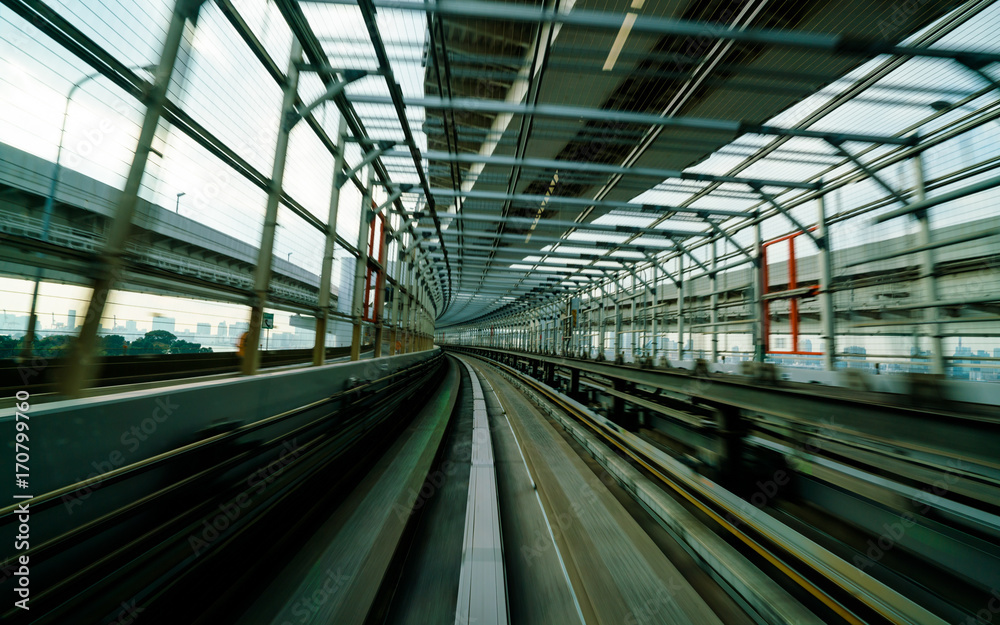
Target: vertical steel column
point(109, 262)
point(714, 302)
point(653, 310)
point(407, 304)
point(262, 274)
point(680, 307)
point(618, 319)
point(828, 321)
point(394, 311)
point(326, 272)
point(632, 321)
point(601, 322)
point(379, 303)
point(928, 270)
point(390, 312)
point(645, 315)
point(556, 330)
point(361, 269)
point(758, 288)
point(590, 326)
point(418, 322)
point(399, 318)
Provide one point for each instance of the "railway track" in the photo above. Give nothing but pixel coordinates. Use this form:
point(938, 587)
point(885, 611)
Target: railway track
point(798, 550)
point(455, 489)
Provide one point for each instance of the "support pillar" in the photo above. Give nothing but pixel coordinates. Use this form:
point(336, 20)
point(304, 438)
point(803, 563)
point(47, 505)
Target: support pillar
point(826, 311)
point(758, 295)
point(656, 297)
point(618, 321)
point(379, 303)
point(326, 272)
point(928, 271)
point(262, 274)
point(404, 319)
point(110, 259)
point(680, 308)
point(714, 285)
point(361, 268)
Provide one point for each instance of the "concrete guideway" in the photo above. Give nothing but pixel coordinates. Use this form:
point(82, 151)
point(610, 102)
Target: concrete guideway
point(482, 586)
point(617, 572)
point(872, 593)
point(771, 602)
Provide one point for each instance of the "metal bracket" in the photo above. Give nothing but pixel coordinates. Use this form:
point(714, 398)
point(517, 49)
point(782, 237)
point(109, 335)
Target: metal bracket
point(976, 64)
point(687, 253)
point(868, 171)
point(349, 76)
point(788, 215)
point(645, 284)
point(725, 235)
point(341, 178)
point(666, 273)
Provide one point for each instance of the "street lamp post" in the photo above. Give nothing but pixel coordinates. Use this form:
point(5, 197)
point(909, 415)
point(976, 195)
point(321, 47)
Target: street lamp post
point(50, 205)
point(177, 206)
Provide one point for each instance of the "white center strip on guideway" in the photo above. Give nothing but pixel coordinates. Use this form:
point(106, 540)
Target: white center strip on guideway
point(482, 586)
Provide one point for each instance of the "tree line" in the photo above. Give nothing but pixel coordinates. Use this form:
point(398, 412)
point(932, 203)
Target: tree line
point(54, 345)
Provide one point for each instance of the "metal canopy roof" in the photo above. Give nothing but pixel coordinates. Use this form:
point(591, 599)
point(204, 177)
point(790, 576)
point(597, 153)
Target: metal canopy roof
point(544, 143)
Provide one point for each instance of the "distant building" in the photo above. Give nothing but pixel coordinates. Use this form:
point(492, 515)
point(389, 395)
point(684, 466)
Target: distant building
point(237, 329)
point(204, 329)
point(222, 328)
point(163, 323)
point(71, 320)
point(131, 327)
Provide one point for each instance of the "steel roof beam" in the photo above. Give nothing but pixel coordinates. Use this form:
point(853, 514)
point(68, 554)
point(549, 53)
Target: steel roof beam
point(559, 111)
point(605, 20)
point(555, 272)
point(557, 223)
point(602, 245)
point(505, 263)
point(528, 251)
point(601, 168)
point(586, 203)
point(770, 199)
point(920, 205)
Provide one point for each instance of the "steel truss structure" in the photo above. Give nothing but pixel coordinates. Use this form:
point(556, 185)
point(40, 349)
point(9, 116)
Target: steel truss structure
point(545, 170)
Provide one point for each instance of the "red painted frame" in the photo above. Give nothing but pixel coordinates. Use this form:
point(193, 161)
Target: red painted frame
point(371, 306)
point(793, 313)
